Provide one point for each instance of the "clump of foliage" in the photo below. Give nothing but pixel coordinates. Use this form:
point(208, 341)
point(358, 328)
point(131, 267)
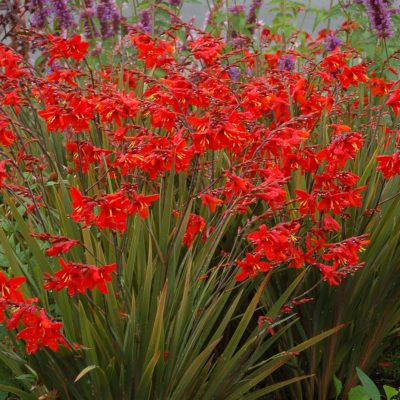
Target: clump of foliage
point(182, 213)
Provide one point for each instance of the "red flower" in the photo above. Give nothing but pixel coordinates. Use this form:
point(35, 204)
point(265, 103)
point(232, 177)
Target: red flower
point(9, 291)
point(394, 101)
point(250, 266)
point(63, 76)
point(153, 52)
point(99, 276)
point(389, 164)
point(207, 48)
point(342, 148)
point(61, 247)
point(7, 137)
point(162, 117)
point(330, 274)
point(78, 277)
point(39, 331)
point(334, 202)
point(210, 201)
point(351, 76)
point(3, 172)
point(83, 207)
point(266, 320)
point(236, 185)
point(57, 118)
point(330, 224)
point(141, 204)
point(276, 244)
point(67, 48)
point(306, 202)
point(84, 154)
point(195, 225)
point(114, 211)
point(346, 252)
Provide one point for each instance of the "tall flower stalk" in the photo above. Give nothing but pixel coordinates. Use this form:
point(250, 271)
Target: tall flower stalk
point(379, 13)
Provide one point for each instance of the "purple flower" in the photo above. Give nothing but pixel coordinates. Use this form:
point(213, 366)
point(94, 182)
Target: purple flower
point(40, 11)
point(236, 10)
point(62, 13)
point(86, 14)
point(109, 18)
point(234, 73)
point(332, 41)
point(145, 21)
point(286, 63)
point(175, 3)
point(252, 16)
point(379, 14)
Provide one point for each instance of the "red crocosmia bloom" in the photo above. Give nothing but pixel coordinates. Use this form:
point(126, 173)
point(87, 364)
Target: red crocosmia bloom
point(62, 247)
point(153, 52)
point(71, 277)
point(342, 148)
point(141, 204)
point(351, 76)
point(57, 118)
point(251, 265)
point(3, 172)
point(10, 62)
point(334, 61)
point(394, 101)
point(340, 128)
point(276, 244)
point(236, 185)
point(114, 211)
point(207, 48)
point(84, 154)
point(181, 153)
point(78, 277)
point(9, 289)
point(12, 99)
point(346, 252)
point(210, 201)
point(67, 48)
point(114, 106)
point(83, 207)
point(334, 202)
point(64, 75)
point(388, 164)
point(39, 331)
point(379, 87)
point(161, 117)
point(354, 197)
point(195, 225)
point(99, 276)
point(330, 224)
point(7, 137)
point(330, 274)
point(306, 202)
point(272, 194)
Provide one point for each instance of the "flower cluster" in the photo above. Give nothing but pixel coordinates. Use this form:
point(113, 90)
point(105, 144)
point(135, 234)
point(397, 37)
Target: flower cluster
point(34, 326)
point(78, 277)
point(63, 16)
point(237, 144)
point(379, 13)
